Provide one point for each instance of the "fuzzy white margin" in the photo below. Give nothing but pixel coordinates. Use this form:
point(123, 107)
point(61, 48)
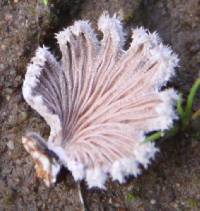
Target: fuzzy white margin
point(114, 27)
point(156, 51)
point(33, 73)
point(120, 169)
point(79, 27)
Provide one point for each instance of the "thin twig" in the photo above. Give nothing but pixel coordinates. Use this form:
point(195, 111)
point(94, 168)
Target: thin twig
point(80, 193)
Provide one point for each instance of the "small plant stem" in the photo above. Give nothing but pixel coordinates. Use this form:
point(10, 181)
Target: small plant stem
point(153, 137)
point(180, 106)
point(80, 193)
point(165, 134)
point(185, 115)
point(190, 101)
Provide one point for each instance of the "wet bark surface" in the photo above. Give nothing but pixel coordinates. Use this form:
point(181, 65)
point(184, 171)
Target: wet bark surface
point(173, 180)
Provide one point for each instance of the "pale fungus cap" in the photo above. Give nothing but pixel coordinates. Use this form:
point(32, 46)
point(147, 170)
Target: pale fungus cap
point(99, 101)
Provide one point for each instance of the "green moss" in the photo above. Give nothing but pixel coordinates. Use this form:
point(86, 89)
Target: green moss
point(129, 16)
point(193, 203)
point(131, 197)
point(32, 10)
point(9, 198)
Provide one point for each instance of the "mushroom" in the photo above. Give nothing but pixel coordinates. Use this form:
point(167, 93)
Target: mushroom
point(99, 101)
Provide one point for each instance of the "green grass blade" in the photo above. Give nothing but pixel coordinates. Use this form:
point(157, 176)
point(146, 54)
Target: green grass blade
point(191, 97)
point(180, 106)
point(153, 137)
